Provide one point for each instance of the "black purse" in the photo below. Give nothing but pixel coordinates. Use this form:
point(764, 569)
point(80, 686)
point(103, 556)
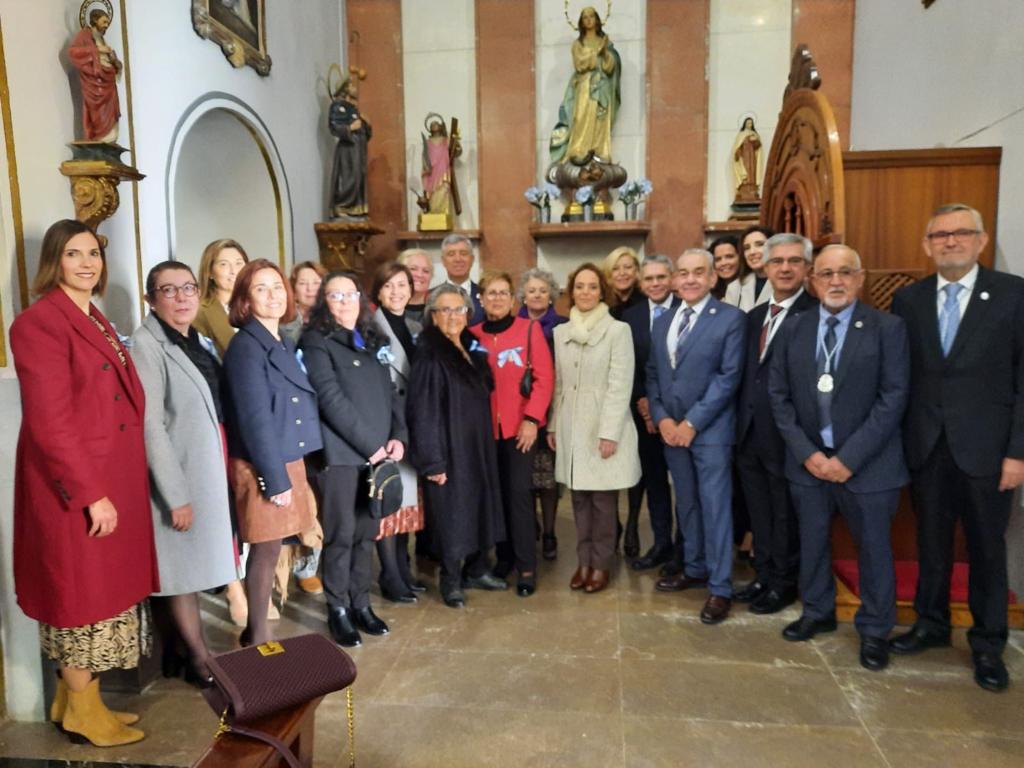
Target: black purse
point(526, 383)
point(383, 489)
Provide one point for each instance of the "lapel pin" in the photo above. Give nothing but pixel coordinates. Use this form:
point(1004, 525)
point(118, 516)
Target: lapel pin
point(712, 311)
point(984, 296)
point(859, 324)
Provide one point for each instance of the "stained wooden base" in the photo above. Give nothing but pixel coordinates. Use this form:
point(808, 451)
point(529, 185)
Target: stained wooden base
point(847, 604)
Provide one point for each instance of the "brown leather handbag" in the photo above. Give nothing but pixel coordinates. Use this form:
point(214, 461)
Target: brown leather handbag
point(258, 681)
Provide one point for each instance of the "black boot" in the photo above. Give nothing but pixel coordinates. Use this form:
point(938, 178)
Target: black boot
point(631, 544)
point(344, 632)
point(369, 622)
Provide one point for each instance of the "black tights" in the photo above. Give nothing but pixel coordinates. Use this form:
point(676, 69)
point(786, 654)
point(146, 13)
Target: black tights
point(259, 580)
point(548, 507)
point(393, 553)
point(184, 612)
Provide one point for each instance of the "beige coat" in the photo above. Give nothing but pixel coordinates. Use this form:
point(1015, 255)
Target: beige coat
point(593, 382)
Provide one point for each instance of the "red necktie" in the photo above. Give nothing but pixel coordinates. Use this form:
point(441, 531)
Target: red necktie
point(773, 310)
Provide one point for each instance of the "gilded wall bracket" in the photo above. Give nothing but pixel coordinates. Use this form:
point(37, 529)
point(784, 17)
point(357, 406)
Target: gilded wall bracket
point(94, 173)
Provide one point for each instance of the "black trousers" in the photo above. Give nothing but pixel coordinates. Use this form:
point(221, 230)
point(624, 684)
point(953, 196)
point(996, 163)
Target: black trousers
point(772, 521)
point(453, 570)
point(654, 480)
point(515, 474)
point(941, 492)
point(347, 558)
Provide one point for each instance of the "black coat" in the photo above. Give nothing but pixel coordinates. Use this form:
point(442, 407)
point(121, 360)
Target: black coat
point(638, 318)
point(359, 407)
point(448, 410)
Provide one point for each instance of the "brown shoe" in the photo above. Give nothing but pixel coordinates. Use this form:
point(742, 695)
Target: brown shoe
point(580, 578)
point(311, 585)
point(598, 580)
point(678, 583)
point(715, 610)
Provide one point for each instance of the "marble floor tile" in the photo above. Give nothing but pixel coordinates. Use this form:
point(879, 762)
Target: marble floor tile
point(914, 749)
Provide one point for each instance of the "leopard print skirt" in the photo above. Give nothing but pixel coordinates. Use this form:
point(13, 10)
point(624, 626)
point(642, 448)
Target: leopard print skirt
point(109, 644)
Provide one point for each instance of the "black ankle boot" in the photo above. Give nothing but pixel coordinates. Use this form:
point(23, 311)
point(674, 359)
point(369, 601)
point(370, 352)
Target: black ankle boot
point(369, 622)
point(344, 632)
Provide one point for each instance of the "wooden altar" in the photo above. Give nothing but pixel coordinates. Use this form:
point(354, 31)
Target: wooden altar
point(878, 203)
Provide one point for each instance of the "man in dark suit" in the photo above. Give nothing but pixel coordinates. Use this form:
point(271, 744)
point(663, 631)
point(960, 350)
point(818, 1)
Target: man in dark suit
point(693, 372)
point(838, 386)
point(656, 284)
point(457, 257)
point(761, 452)
point(964, 432)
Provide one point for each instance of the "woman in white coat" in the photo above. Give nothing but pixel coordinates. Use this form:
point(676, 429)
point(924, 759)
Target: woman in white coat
point(187, 466)
point(590, 423)
point(753, 288)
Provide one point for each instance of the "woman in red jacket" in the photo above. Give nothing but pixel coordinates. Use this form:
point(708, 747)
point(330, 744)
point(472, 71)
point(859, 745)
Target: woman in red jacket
point(515, 347)
point(84, 557)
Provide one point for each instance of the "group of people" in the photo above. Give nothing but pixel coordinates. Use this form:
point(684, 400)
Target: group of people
point(247, 407)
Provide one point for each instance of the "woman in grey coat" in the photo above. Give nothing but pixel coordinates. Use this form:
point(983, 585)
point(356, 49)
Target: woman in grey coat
point(185, 450)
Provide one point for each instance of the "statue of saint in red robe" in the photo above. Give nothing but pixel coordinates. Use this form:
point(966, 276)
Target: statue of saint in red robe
point(98, 69)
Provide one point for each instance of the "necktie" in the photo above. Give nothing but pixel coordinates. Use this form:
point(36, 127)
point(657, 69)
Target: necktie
point(766, 329)
point(658, 311)
point(949, 317)
point(827, 364)
point(684, 331)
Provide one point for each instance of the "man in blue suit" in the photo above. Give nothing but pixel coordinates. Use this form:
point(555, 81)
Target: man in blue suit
point(656, 284)
point(838, 387)
point(693, 372)
point(457, 257)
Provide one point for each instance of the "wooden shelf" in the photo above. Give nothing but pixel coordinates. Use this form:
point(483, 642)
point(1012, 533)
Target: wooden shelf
point(413, 235)
point(589, 229)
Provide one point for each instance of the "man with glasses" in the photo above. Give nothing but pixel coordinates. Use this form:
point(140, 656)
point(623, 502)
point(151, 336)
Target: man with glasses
point(457, 257)
point(838, 387)
point(761, 453)
point(964, 432)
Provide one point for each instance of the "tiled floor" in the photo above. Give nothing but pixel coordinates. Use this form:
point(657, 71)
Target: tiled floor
point(628, 677)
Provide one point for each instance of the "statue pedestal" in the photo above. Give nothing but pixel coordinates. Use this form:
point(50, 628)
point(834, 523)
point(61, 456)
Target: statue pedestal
point(95, 171)
point(343, 243)
point(749, 210)
point(435, 222)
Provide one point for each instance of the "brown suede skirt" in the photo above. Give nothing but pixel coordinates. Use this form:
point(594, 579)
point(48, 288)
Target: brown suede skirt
point(258, 519)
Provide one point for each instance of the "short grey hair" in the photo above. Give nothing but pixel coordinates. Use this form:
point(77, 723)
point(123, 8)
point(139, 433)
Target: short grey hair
point(442, 290)
point(454, 239)
point(404, 256)
point(536, 273)
point(703, 252)
point(789, 238)
point(856, 256)
point(657, 258)
point(942, 210)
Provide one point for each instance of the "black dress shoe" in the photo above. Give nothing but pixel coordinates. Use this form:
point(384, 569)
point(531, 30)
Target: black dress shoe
point(344, 632)
point(990, 672)
point(917, 640)
point(874, 653)
point(416, 586)
point(751, 592)
point(453, 597)
point(526, 585)
point(369, 622)
point(805, 628)
point(652, 558)
point(397, 597)
point(772, 601)
point(486, 581)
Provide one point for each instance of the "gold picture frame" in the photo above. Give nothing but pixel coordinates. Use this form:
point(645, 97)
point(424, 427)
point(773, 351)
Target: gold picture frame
point(238, 27)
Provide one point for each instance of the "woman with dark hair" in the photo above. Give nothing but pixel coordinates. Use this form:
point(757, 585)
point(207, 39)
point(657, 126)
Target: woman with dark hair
point(218, 269)
point(361, 424)
point(392, 288)
point(271, 418)
point(84, 558)
point(185, 451)
point(452, 444)
point(590, 426)
point(753, 288)
point(728, 264)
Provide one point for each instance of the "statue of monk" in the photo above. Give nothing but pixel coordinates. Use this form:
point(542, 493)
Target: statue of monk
point(98, 70)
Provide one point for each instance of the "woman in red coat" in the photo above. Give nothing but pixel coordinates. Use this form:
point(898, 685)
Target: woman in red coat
point(84, 557)
point(514, 346)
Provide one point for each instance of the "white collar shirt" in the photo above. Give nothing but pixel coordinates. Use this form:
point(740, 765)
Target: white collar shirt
point(967, 281)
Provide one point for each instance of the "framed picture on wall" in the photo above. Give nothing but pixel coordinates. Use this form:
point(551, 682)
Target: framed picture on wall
point(238, 27)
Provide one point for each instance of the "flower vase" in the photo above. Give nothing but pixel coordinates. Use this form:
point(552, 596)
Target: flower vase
point(588, 211)
point(545, 215)
point(631, 209)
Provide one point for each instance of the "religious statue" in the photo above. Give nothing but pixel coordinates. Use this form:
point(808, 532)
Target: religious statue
point(98, 69)
point(746, 162)
point(348, 172)
point(440, 187)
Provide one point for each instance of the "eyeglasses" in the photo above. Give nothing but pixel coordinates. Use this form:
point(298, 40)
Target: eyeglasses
point(792, 261)
point(497, 294)
point(343, 296)
point(172, 291)
point(843, 274)
point(957, 234)
point(449, 311)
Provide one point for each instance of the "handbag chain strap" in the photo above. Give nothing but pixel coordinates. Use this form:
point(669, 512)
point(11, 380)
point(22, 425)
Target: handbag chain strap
point(350, 711)
point(529, 345)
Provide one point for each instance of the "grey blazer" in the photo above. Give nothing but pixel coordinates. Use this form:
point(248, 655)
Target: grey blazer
point(185, 451)
point(400, 367)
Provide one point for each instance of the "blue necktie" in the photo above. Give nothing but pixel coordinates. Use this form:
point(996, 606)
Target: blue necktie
point(949, 317)
point(684, 331)
point(825, 398)
point(658, 311)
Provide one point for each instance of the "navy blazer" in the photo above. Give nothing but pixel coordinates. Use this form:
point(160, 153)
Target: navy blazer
point(638, 318)
point(872, 382)
point(270, 407)
point(702, 387)
point(976, 395)
point(754, 413)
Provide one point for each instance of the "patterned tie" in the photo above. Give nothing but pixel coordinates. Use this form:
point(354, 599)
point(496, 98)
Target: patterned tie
point(949, 317)
point(825, 398)
point(684, 331)
point(773, 310)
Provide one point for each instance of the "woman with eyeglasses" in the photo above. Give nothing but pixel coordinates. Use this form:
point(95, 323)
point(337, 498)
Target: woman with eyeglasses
point(362, 423)
point(185, 451)
point(515, 348)
point(452, 444)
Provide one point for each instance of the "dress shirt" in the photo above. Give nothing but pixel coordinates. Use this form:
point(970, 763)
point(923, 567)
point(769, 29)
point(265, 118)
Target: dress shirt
point(666, 305)
point(774, 323)
point(675, 328)
point(466, 286)
point(967, 281)
point(844, 325)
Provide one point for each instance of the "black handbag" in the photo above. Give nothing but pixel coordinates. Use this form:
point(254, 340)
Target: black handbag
point(384, 489)
point(526, 383)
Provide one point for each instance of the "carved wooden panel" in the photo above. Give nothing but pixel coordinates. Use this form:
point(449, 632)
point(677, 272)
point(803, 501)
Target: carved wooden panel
point(881, 284)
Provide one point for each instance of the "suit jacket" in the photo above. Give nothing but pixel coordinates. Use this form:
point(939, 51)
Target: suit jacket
point(270, 407)
point(212, 321)
point(478, 315)
point(702, 387)
point(872, 381)
point(638, 318)
point(740, 293)
point(754, 413)
point(976, 395)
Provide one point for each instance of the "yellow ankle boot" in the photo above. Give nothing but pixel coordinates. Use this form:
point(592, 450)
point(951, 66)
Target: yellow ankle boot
point(87, 719)
point(60, 705)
